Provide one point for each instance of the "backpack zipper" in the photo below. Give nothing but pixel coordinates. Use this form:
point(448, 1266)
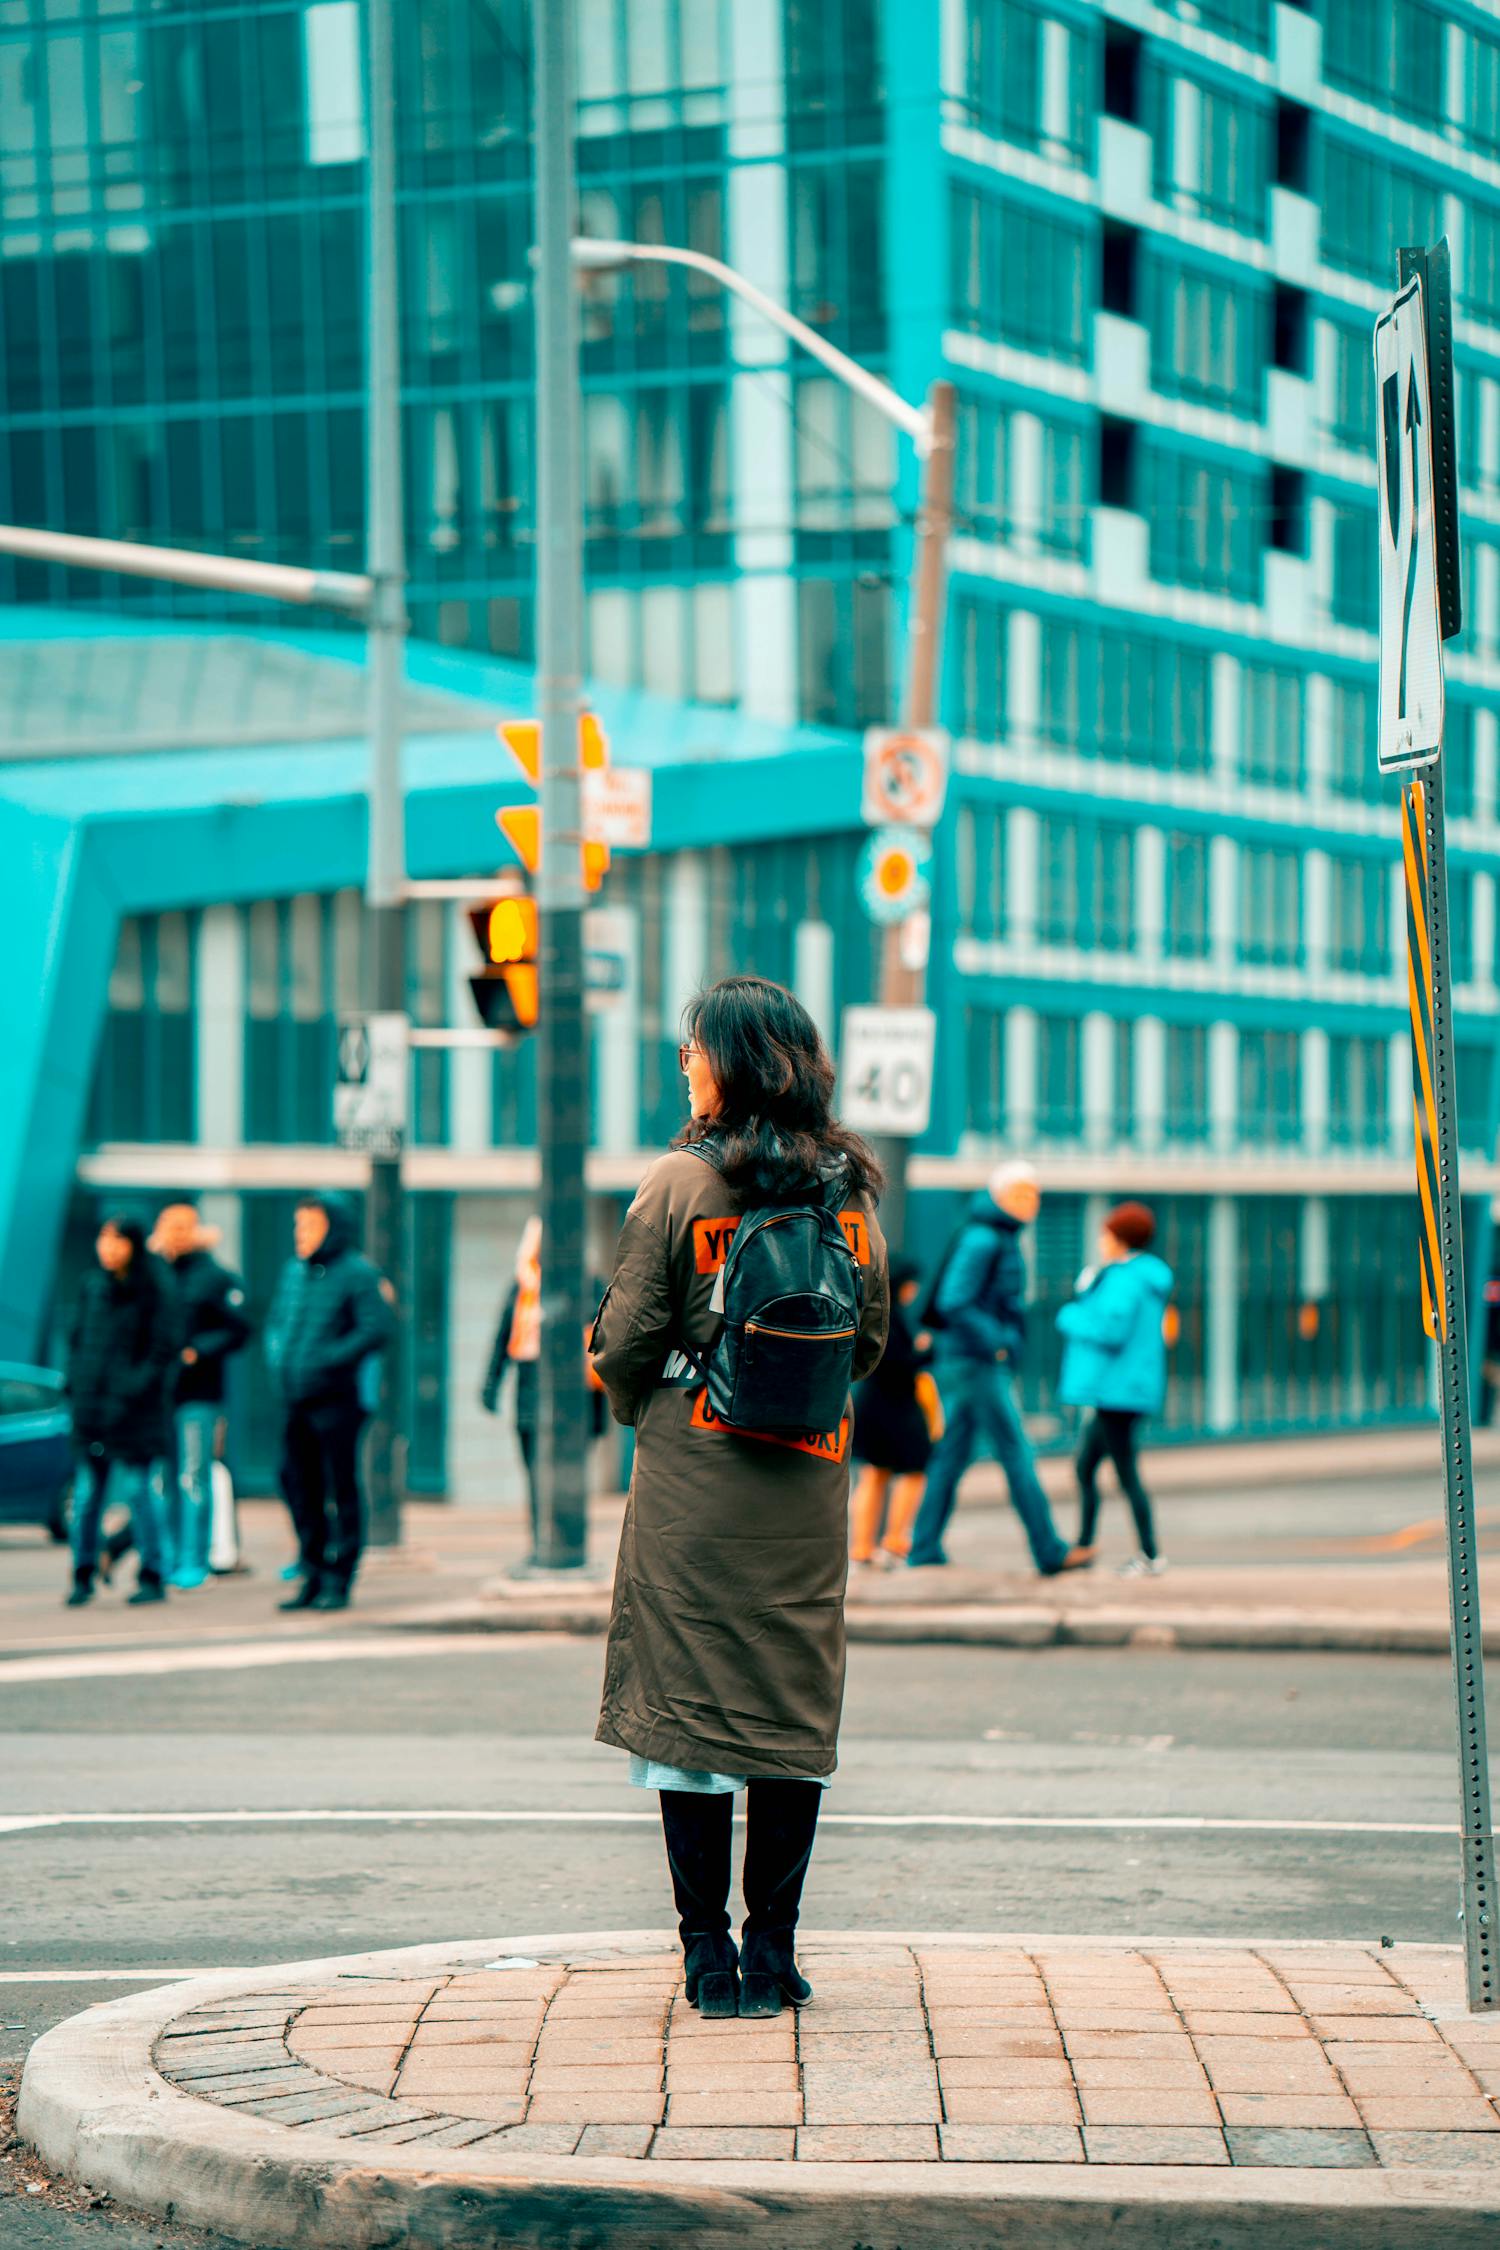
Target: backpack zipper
point(804, 1335)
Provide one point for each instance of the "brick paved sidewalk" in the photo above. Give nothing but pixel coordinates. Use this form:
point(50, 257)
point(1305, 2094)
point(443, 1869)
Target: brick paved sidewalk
point(986, 2051)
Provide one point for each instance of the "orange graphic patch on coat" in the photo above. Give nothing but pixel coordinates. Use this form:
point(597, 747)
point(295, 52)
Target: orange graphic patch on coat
point(712, 1237)
point(826, 1445)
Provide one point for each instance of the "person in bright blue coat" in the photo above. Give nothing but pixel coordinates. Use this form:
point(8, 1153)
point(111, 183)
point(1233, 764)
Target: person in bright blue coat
point(1115, 1362)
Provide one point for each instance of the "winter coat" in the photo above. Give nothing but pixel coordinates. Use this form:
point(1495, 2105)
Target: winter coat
point(978, 1306)
point(121, 1355)
point(527, 1372)
point(1115, 1354)
point(890, 1429)
point(726, 1642)
point(211, 1319)
point(327, 1316)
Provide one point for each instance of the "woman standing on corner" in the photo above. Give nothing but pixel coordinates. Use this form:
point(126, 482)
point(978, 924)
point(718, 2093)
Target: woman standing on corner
point(725, 1667)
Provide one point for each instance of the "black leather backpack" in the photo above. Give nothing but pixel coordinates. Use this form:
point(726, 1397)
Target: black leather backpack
point(790, 1293)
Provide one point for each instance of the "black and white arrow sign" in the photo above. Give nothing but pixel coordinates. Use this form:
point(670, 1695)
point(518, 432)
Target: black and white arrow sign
point(1411, 648)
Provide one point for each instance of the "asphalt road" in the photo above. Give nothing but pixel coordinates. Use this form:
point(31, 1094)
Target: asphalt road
point(1043, 1790)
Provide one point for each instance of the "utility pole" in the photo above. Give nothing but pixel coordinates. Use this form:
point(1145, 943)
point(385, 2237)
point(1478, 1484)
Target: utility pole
point(903, 981)
point(562, 1057)
point(385, 661)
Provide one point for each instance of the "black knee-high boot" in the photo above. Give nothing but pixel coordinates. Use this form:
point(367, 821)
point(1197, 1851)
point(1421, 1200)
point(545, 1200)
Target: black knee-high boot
point(783, 1821)
point(698, 1828)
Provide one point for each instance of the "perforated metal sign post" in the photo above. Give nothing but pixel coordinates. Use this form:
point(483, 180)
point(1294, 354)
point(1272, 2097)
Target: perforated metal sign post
point(1434, 545)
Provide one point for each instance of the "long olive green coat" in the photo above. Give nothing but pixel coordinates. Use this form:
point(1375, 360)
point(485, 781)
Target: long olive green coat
point(726, 1643)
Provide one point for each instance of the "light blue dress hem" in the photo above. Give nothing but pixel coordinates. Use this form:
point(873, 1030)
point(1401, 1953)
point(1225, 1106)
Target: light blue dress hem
point(649, 1773)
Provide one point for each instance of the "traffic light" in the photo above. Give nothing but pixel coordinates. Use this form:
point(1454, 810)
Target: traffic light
point(521, 825)
point(506, 990)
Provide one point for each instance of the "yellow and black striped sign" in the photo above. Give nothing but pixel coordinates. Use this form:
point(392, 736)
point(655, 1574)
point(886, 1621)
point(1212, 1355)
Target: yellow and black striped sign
point(1423, 1047)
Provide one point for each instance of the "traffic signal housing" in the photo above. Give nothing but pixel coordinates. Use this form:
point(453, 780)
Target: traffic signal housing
point(507, 990)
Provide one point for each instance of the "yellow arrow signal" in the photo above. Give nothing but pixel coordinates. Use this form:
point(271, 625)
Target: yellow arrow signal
point(523, 739)
point(521, 826)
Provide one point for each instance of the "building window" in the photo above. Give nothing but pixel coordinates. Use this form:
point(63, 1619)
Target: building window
point(1389, 52)
point(985, 1105)
point(1210, 336)
point(980, 632)
point(979, 846)
point(1188, 1104)
point(1461, 925)
point(1110, 694)
point(1358, 1093)
point(1020, 276)
point(836, 219)
point(1270, 906)
point(1360, 916)
point(1482, 79)
point(1124, 1085)
point(834, 82)
point(1371, 207)
point(1059, 1078)
point(1212, 151)
point(1479, 294)
point(145, 1074)
point(1270, 1087)
point(1458, 761)
point(1355, 598)
point(1352, 422)
point(1027, 76)
point(1087, 884)
point(1189, 919)
point(1248, 21)
point(1352, 768)
point(1271, 726)
point(843, 626)
point(982, 470)
point(1207, 524)
point(1064, 528)
point(844, 465)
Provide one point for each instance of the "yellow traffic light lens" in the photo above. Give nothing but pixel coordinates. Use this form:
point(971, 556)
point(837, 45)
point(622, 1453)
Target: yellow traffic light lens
point(513, 930)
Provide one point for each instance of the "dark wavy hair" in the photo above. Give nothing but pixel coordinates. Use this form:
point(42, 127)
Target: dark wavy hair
point(777, 1134)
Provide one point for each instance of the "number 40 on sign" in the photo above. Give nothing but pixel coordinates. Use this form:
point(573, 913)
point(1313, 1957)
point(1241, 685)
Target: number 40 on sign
point(886, 1080)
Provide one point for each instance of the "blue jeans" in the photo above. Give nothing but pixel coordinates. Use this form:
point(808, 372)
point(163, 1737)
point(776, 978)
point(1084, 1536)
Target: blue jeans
point(978, 1403)
point(189, 1503)
point(134, 1486)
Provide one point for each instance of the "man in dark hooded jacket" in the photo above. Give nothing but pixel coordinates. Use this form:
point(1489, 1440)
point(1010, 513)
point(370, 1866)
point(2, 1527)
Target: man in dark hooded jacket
point(328, 1317)
point(121, 1355)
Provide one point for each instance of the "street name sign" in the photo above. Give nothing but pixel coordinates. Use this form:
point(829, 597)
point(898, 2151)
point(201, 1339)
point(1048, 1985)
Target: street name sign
point(370, 1091)
point(1411, 647)
point(906, 776)
point(886, 1081)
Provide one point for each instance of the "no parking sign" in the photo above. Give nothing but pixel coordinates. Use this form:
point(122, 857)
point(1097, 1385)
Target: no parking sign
point(906, 776)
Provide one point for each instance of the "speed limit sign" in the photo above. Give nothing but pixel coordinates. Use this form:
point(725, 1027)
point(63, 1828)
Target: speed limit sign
point(886, 1081)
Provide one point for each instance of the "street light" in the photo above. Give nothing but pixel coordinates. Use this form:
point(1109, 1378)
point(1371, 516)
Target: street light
point(933, 428)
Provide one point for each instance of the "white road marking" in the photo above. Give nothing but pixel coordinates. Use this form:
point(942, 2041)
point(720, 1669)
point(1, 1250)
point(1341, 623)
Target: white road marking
point(246, 1656)
point(490, 1817)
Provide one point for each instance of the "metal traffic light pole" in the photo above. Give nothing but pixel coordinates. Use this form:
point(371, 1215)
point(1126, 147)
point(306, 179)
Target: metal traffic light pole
point(385, 647)
point(562, 1056)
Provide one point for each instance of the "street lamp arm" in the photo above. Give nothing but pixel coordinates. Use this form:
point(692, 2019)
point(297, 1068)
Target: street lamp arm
point(232, 574)
point(590, 254)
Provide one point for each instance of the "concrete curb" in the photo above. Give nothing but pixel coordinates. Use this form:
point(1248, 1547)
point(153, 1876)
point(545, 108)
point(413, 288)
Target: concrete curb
point(1009, 1625)
point(97, 2110)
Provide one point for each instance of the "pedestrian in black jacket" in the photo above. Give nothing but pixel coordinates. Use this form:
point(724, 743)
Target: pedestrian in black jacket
point(213, 1325)
point(120, 1359)
point(327, 1318)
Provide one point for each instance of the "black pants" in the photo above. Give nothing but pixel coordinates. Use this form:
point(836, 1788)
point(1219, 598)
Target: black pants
point(1111, 1436)
point(320, 1477)
point(526, 1438)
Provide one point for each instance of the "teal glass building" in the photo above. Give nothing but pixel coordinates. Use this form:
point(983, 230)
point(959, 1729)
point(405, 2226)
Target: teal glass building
point(1147, 241)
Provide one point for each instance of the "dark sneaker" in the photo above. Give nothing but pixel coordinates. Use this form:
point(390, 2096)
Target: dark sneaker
point(83, 1591)
point(332, 1597)
point(304, 1598)
point(149, 1590)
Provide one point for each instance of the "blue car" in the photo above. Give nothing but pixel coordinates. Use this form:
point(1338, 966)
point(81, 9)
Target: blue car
point(36, 1448)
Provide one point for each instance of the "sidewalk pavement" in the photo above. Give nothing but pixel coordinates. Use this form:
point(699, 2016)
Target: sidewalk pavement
point(941, 2093)
point(1313, 1543)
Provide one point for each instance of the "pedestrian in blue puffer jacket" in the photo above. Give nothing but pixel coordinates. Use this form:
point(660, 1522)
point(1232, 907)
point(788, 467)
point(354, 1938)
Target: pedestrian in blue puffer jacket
point(1115, 1361)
